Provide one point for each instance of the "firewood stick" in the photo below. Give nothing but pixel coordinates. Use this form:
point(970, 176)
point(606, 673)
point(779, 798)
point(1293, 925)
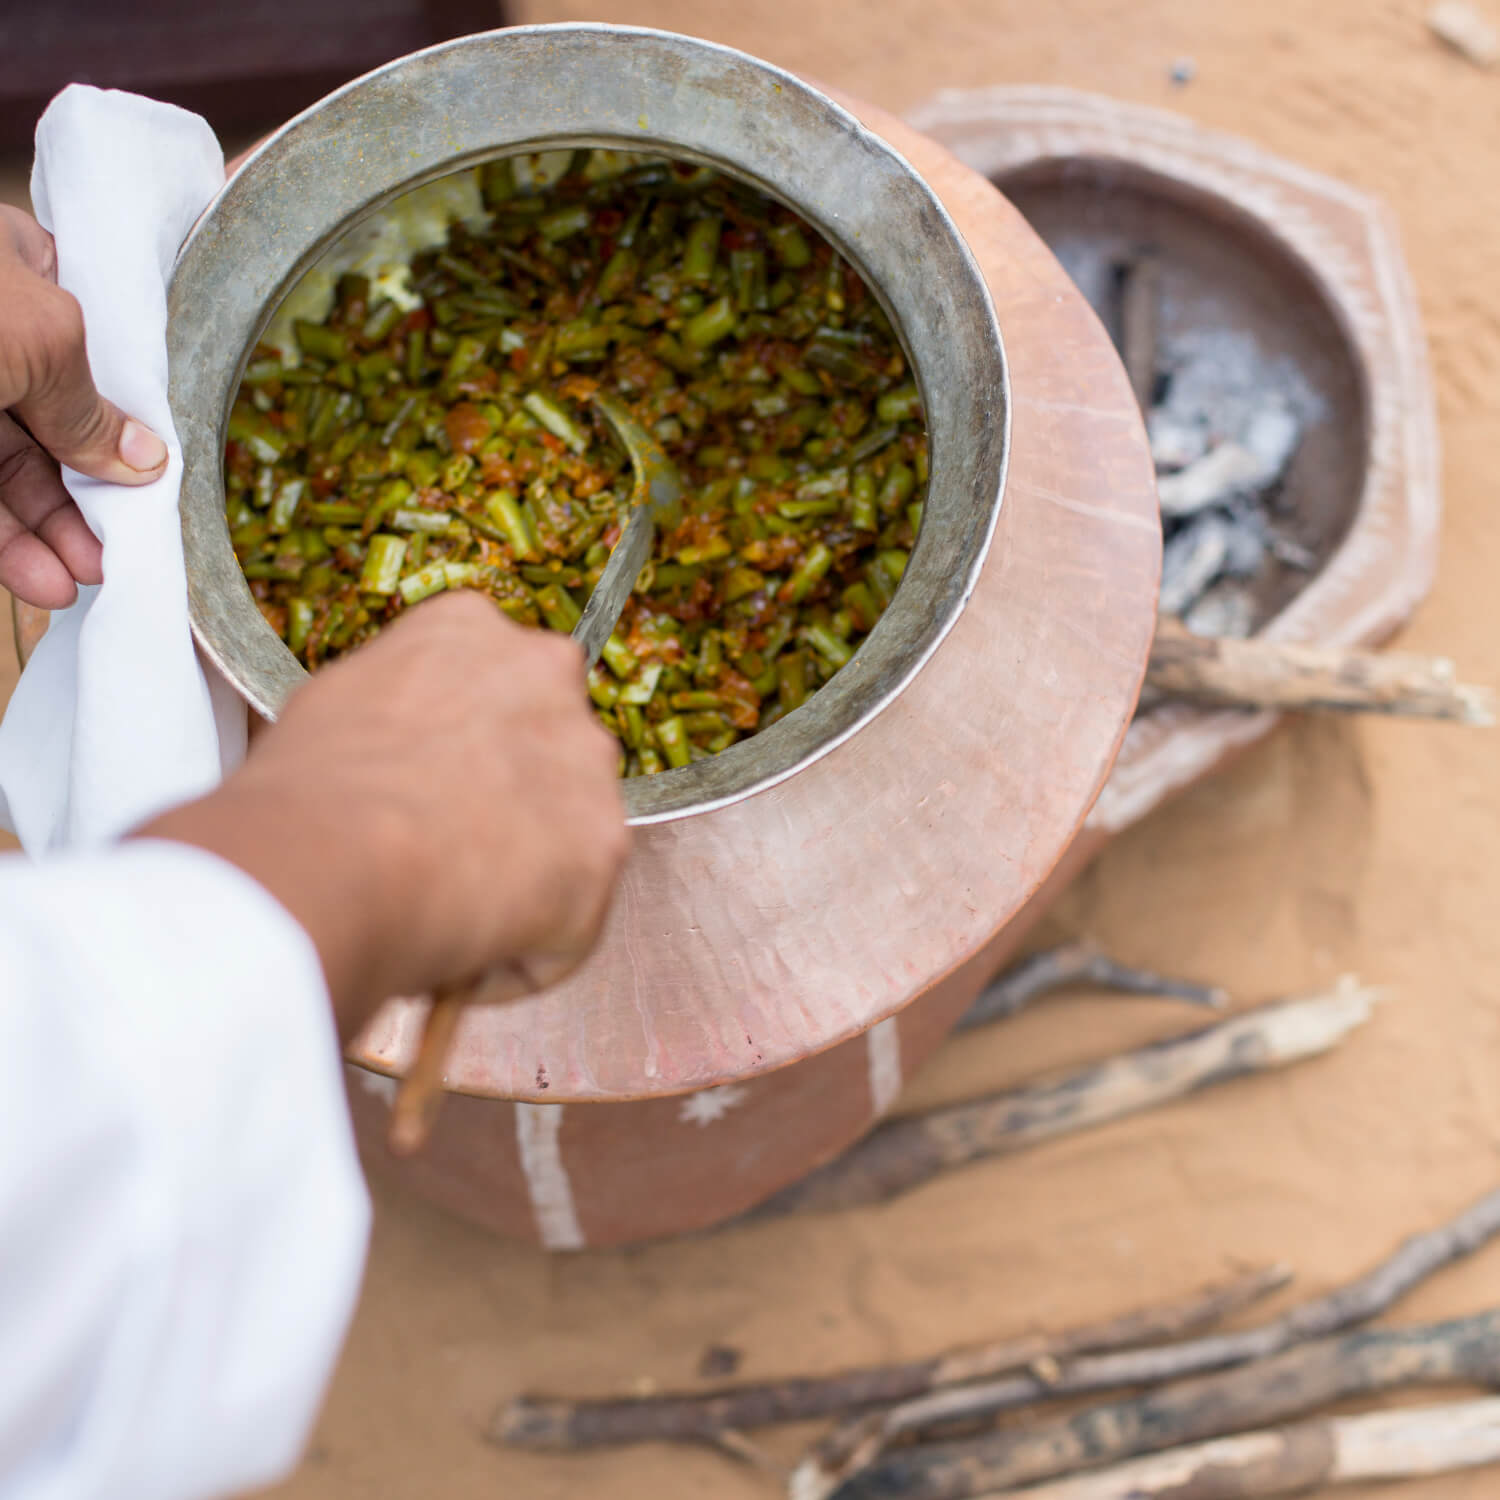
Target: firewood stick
point(1260, 674)
point(539, 1422)
point(1293, 1460)
point(420, 1095)
point(855, 1445)
point(901, 1154)
point(1078, 963)
point(1299, 1380)
point(1140, 296)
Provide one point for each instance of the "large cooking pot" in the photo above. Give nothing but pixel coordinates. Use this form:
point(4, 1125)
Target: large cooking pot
point(1236, 215)
point(792, 899)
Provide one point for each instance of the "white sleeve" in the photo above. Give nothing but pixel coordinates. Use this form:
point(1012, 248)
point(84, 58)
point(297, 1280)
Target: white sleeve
point(182, 1217)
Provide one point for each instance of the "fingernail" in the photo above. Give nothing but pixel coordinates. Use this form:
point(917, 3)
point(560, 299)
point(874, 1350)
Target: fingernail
point(140, 447)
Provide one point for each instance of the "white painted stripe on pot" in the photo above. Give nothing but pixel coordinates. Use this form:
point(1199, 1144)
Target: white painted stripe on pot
point(883, 1054)
point(538, 1127)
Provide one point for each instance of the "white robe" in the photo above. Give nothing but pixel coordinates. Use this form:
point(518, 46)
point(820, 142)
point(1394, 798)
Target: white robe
point(183, 1221)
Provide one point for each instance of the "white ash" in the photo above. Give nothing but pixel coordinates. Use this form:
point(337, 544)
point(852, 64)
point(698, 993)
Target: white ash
point(1221, 475)
point(1224, 432)
point(1174, 445)
point(1271, 436)
point(1225, 426)
point(1246, 554)
point(1219, 379)
point(1193, 557)
point(1227, 609)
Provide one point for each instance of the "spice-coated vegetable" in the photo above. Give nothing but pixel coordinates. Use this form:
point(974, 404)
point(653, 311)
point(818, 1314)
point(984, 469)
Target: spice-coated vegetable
point(394, 453)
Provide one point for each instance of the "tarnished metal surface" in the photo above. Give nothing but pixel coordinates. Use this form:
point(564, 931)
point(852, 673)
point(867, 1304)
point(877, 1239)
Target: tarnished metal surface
point(537, 88)
point(655, 500)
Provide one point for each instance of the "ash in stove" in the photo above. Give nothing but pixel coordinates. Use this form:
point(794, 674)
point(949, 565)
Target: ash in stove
point(1225, 421)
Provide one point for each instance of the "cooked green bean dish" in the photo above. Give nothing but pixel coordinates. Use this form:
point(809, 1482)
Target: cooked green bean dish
point(438, 433)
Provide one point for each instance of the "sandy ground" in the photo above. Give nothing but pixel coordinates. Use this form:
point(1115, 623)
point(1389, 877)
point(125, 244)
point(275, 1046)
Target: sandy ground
point(1366, 847)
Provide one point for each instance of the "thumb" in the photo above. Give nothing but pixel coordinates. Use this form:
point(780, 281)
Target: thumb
point(55, 396)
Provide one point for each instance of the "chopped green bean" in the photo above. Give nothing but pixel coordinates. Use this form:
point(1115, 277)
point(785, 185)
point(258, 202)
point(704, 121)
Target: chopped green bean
point(791, 680)
point(747, 268)
point(299, 623)
point(555, 420)
point(671, 735)
point(497, 182)
point(424, 581)
point(900, 405)
point(558, 607)
point(602, 688)
point(563, 224)
point(284, 504)
point(807, 574)
point(618, 657)
point(335, 513)
point(702, 249)
point(642, 686)
point(830, 647)
point(790, 245)
point(382, 569)
point(897, 489)
point(872, 442)
point(320, 342)
point(714, 323)
point(434, 522)
point(505, 511)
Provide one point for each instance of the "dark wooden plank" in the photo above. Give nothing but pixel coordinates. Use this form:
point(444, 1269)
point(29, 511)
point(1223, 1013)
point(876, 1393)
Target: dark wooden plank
point(243, 67)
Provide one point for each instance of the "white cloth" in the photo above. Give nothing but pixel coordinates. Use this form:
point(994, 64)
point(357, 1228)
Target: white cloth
point(182, 1216)
point(114, 719)
point(182, 1219)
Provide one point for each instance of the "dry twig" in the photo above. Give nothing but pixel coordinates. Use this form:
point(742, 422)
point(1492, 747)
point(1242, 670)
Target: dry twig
point(1140, 294)
point(856, 1445)
point(901, 1154)
point(1078, 963)
point(1288, 1384)
point(1257, 674)
point(1379, 1446)
point(540, 1422)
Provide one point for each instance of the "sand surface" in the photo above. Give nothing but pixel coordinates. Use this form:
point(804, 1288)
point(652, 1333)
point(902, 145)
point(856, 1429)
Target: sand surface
point(1366, 847)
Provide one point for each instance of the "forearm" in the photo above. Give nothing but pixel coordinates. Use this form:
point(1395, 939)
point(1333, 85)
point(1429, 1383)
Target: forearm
point(180, 1201)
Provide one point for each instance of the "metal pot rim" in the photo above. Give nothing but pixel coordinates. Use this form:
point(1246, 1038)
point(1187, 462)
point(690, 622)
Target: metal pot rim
point(528, 89)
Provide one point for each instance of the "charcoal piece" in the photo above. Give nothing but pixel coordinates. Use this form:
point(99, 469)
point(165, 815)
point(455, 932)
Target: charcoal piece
point(1174, 443)
point(1272, 435)
point(1192, 559)
point(1248, 544)
point(1222, 475)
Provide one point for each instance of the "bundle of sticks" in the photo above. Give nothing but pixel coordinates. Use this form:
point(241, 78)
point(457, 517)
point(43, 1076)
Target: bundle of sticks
point(1184, 1411)
point(1214, 1416)
point(1207, 1414)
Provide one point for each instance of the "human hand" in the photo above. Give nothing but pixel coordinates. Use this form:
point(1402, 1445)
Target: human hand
point(437, 804)
point(51, 413)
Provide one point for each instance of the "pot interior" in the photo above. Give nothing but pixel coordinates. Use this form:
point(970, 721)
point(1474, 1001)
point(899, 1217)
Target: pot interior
point(323, 188)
